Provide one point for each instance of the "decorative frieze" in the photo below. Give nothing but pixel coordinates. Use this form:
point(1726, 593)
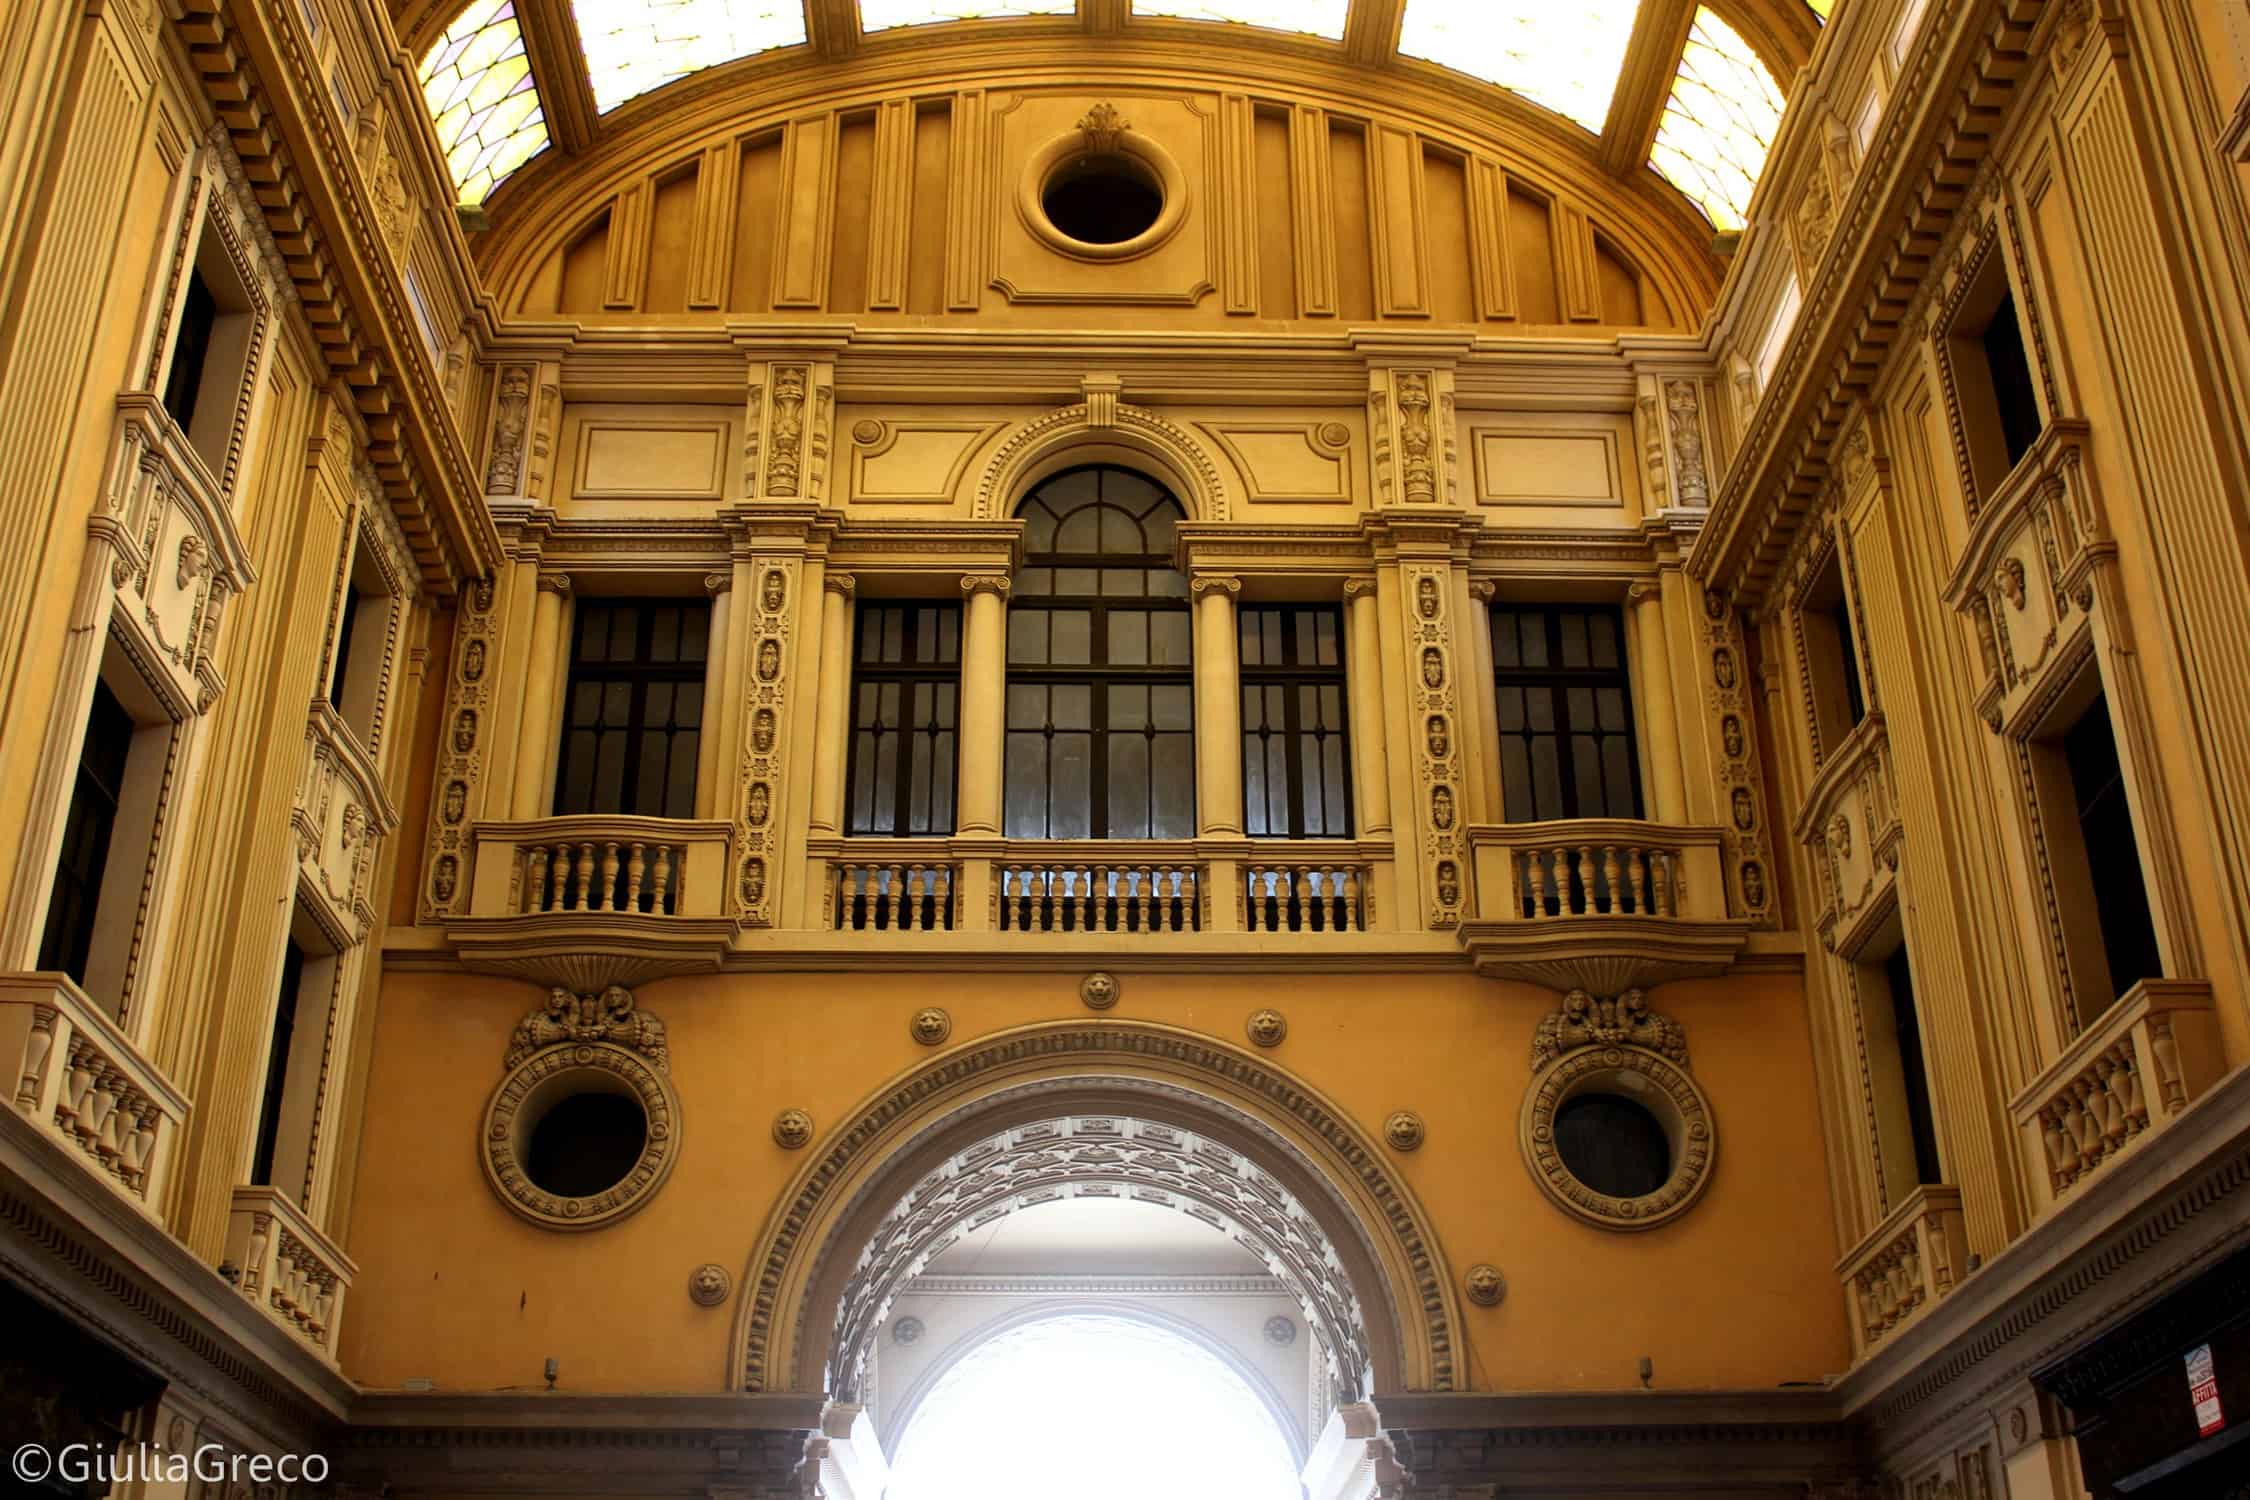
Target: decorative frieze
point(511, 420)
point(1730, 719)
point(1416, 448)
point(462, 756)
point(766, 698)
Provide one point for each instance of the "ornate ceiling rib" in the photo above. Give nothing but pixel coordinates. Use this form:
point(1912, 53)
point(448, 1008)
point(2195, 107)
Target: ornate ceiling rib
point(558, 67)
point(1660, 34)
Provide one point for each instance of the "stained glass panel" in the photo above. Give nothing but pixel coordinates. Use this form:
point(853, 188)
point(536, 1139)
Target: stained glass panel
point(1564, 57)
point(882, 15)
point(1317, 17)
point(1725, 107)
point(633, 46)
point(477, 82)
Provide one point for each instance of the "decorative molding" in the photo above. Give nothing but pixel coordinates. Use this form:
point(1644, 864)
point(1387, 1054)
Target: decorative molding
point(709, 1285)
point(1658, 1084)
point(1267, 1027)
point(1584, 1021)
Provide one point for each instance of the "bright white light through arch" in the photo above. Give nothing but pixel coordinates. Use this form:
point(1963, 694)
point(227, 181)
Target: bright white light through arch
point(1095, 1407)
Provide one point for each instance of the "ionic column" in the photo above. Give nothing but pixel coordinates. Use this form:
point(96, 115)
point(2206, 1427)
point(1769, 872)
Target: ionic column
point(1660, 727)
point(1480, 700)
point(717, 701)
point(1218, 708)
point(1363, 667)
point(545, 664)
point(984, 698)
point(832, 714)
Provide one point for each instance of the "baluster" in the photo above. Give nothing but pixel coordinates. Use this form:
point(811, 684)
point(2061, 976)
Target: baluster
point(887, 897)
point(1083, 887)
point(605, 899)
point(1531, 882)
point(1586, 902)
point(535, 879)
point(1355, 915)
point(941, 905)
point(1254, 898)
point(1559, 865)
point(635, 868)
point(1666, 875)
point(558, 879)
point(1144, 887)
point(1636, 872)
point(917, 883)
point(582, 885)
point(1312, 905)
point(1044, 901)
point(839, 895)
point(1616, 903)
point(664, 881)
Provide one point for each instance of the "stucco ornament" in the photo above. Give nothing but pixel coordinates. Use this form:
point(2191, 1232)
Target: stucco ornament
point(1620, 1047)
point(1099, 990)
point(908, 1330)
point(930, 1026)
point(1267, 1027)
point(1485, 1285)
point(792, 1130)
point(1281, 1331)
point(1403, 1130)
point(709, 1284)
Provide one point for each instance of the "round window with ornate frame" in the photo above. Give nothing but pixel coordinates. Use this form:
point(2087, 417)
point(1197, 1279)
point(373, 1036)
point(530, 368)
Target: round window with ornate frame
point(1641, 1078)
point(555, 1076)
point(1117, 182)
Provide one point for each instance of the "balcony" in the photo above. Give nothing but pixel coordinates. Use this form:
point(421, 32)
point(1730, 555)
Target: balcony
point(1601, 904)
point(80, 1080)
point(587, 902)
point(340, 818)
point(2124, 1078)
point(288, 1268)
point(1850, 826)
point(1096, 888)
point(1916, 1256)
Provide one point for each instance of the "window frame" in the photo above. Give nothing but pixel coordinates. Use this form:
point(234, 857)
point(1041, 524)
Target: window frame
point(1562, 679)
point(908, 673)
point(1293, 677)
point(639, 673)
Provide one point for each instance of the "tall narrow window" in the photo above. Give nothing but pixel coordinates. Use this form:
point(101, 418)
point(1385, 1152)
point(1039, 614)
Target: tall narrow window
point(1296, 770)
point(1831, 665)
point(191, 349)
point(634, 715)
point(2113, 856)
point(1914, 1073)
point(905, 734)
point(1566, 713)
point(1101, 695)
point(277, 1064)
point(347, 620)
point(68, 940)
point(2010, 369)
point(1847, 663)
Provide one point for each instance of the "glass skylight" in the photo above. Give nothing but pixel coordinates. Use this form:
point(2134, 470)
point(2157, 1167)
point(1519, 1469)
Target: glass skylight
point(1565, 56)
point(478, 84)
point(882, 15)
point(1725, 107)
point(1317, 17)
point(633, 46)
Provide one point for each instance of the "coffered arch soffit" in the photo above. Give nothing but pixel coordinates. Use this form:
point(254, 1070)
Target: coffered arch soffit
point(1112, 1107)
point(557, 198)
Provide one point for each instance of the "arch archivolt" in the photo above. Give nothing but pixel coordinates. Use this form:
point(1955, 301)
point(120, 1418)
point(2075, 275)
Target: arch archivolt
point(1130, 436)
point(1063, 1109)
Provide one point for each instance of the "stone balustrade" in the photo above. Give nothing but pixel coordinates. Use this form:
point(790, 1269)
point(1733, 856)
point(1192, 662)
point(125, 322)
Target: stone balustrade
point(1588, 867)
point(1098, 895)
point(287, 1268)
point(79, 1078)
point(909, 894)
point(1285, 895)
point(2125, 1077)
point(1917, 1255)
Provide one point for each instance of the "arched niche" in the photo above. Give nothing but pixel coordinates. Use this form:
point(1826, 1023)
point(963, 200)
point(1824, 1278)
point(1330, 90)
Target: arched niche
point(1215, 1131)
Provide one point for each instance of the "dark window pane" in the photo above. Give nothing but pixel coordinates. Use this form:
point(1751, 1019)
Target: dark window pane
point(1565, 714)
point(633, 708)
point(902, 744)
point(1295, 678)
point(88, 827)
point(2105, 823)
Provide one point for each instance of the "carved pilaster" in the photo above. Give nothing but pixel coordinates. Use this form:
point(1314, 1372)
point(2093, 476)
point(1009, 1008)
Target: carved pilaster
point(1416, 451)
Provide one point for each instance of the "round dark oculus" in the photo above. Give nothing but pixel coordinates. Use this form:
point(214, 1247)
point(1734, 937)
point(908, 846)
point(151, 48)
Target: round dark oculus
point(1102, 198)
point(1613, 1145)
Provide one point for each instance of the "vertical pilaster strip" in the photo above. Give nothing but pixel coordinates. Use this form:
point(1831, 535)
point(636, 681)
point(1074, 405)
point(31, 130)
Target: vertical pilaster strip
point(458, 787)
point(1238, 200)
point(777, 569)
point(1488, 239)
point(890, 216)
point(1218, 708)
point(803, 240)
point(719, 702)
point(718, 184)
point(1660, 724)
point(1577, 278)
point(1434, 666)
point(1312, 212)
point(1363, 670)
point(528, 795)
point(832, 711)
point(984, 693)
point(1482, 693)
point(1396, 211)
point(1729, 709)
point(625, 261)
point(967, 212)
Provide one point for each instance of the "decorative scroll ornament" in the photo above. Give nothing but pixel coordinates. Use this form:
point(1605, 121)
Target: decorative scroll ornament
point(1103, 128)
point(611, 1016)
point(1584, 1021)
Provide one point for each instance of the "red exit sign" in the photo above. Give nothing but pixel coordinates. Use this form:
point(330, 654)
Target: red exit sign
point(2203, 1390)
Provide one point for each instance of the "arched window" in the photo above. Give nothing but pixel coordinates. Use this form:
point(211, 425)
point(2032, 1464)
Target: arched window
point(1101, 691)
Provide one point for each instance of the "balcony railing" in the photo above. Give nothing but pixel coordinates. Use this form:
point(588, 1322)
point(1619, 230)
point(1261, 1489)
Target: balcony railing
point(899, 895)
point(1296, 896)
point(1599, 903)
point(2125, 1077)
point(287, 1268)
point(1916, 1256)
point(592, 900)
point(81, 1080)
point(1098, 896)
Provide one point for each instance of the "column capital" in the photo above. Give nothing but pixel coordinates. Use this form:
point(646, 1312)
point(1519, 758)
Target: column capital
point(716, 584)
point(973, 584)
point(1483, 590)
point(1214, 583)
point(1642, 590)
point(555, 583)
point(840, 583)
point(1359, 586)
